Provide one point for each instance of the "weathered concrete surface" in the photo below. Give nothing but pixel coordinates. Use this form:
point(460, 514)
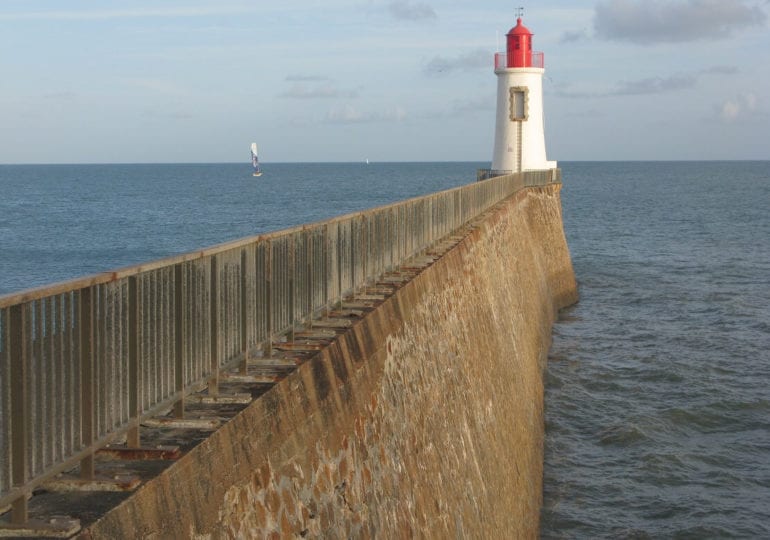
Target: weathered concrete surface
point(424, 420)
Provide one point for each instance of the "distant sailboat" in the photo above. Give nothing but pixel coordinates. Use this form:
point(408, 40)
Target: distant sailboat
point(255, 160)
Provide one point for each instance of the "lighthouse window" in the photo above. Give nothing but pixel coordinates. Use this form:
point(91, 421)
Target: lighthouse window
point(518, 103)
point(516, 44)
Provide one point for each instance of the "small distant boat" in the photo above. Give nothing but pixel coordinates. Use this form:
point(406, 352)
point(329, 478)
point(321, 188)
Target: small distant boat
point(255, 160)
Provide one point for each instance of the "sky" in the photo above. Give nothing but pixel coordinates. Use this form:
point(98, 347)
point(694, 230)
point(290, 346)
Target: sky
point(348, 80)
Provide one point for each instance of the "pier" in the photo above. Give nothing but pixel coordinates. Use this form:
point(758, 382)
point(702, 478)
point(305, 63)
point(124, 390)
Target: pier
point(106, 374)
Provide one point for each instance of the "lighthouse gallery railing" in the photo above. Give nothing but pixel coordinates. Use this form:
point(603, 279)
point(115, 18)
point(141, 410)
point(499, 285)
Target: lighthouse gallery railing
point(501, 60)
point(85, 361)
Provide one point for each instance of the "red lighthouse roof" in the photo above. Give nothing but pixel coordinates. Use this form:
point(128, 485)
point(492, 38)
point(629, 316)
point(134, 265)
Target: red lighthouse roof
point(520, 29)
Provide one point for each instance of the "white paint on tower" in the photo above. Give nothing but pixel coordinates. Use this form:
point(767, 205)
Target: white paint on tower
point(519, 132)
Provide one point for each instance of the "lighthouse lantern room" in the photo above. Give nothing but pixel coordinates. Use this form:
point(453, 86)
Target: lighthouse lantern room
point(519, 133)
point(519, 49)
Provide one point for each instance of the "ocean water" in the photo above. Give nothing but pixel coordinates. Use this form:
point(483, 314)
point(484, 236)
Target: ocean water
point(59, 222)
point(658, 382)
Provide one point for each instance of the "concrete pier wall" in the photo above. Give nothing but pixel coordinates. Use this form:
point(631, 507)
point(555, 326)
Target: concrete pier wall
point(424, 420)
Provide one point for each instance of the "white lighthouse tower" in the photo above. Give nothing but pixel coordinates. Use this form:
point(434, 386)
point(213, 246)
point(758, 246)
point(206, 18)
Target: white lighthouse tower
point(519, 134)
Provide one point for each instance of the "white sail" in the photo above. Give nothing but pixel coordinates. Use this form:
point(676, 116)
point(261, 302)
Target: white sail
point(255, 160)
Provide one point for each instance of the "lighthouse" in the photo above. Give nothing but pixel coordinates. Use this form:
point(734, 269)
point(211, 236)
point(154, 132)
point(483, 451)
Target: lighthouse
point(519, 133)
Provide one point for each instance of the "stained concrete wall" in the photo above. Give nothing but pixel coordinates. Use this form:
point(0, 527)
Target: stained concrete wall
point(424, 420)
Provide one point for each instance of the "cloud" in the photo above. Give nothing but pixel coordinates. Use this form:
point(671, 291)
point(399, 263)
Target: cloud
point(438, 66)
point(565, 89)
point(655, 85)
point(571, 37)
point(179, 115)
point(659, 21)
point(299, 90)
point(738, 108)
point(167, 115)
point(459, 108)
point(74, 15)
point(720, 70)
point(157, 86)
point(479, 103)
point(60, 96)
point(408, 11)
point(650, 85)
point(306, 78)
point(591, 114)
point(348, 114)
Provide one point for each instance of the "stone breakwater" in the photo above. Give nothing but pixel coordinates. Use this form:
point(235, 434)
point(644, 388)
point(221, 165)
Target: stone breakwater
point(423, 420)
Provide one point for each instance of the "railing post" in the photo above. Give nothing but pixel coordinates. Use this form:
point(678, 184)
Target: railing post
point(405, 220)
point(340, 250)
point(244, 313)
point(382, 223)
point(364, 246)
point(36, 372)
point(351, 249)
point(134, 378)
point(268, 345)
point(309, 267)
point(54, 380)
point(292, 280)
point(179, 339)
point(87, 380)
point(20, 417)
point(393, 237)
point(327, 264)
point(214, 321)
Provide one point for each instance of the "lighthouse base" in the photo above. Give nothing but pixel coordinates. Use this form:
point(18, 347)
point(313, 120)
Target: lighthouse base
point(551, 174)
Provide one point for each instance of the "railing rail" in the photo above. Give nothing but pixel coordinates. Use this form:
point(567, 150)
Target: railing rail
point(486, 174)
point(86, 360)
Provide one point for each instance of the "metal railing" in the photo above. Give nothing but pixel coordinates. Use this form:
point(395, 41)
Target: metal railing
point(501, 60)
point(87, 360)
point(486, 174)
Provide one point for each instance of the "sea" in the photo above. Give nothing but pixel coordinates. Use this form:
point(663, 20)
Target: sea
point(658, 380)
point(58, 222)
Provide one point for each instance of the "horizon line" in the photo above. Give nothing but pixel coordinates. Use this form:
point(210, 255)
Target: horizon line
point(369, 162)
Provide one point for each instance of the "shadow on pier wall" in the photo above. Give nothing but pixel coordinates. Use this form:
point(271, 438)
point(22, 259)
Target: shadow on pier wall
point(425, 419)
